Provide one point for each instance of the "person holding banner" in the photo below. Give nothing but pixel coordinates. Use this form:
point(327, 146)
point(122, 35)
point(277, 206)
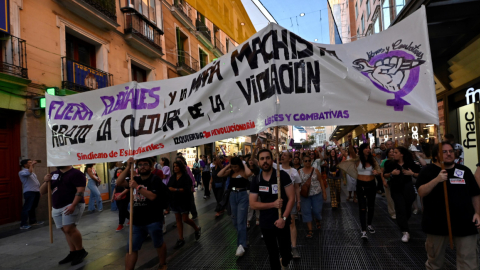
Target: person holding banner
point(180, 187)
point(464, 204)
point(400, 171)
point(150, 197)
point(275, 228)
point(286, 160)
point(68, 186)
point(239, 174)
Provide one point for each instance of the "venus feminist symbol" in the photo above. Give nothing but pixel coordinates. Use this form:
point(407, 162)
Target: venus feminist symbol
point(395, 72)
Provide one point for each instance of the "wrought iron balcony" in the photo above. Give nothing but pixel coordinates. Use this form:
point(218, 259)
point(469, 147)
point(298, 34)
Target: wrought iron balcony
point(107, 7)
point(102, 13)
point(81, 78)
point(138, 29)
point(183, 12)
point(14, 60)
point(186, 63)
point(204, 33)
point(219, 49)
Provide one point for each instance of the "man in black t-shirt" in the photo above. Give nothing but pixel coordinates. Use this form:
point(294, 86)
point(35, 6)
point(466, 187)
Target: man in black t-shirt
point(150, 196)
point(274, 228)
point(464, 205)
point(68, 185)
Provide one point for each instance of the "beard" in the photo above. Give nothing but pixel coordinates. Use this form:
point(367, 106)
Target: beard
point(266, 167)
point(144, 172)
point(448, 163)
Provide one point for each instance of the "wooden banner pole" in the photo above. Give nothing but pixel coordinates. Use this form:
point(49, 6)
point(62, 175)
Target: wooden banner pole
point(447, 207)
point(130, 233)
point(49, 195)
point(278, 171)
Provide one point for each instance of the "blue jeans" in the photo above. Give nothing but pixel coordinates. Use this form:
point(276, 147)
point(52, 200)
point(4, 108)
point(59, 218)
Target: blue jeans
point(198, 179)
point(28, 209)
point(312, 204)
point(113, 205)
point(239, 205)
point(94, 196)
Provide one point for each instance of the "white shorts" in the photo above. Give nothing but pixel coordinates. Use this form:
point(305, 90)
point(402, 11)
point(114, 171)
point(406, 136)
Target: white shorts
point(61, 219)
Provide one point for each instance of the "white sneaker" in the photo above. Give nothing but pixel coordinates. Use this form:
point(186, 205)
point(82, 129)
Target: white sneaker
point(240, 251)
point(364, 235)
point(415, 211)
point(405, 237)
point(394, 217)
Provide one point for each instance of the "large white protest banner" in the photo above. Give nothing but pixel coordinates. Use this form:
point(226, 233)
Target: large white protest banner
point(274, 78)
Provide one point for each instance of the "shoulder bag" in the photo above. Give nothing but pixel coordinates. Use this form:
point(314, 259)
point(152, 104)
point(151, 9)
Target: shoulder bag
point(306, 187)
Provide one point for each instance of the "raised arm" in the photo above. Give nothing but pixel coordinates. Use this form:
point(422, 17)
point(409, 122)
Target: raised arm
point(121, 182)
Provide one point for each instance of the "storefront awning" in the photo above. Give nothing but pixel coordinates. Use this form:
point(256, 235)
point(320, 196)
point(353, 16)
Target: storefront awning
point(341, 132)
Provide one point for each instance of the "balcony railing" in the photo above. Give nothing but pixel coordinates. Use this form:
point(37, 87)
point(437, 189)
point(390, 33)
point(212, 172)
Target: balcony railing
point(219, 45)
point(14, 60)
point(184, 8)
point(106, 7)
point(203, 29)
point(140, 26)
point(186, 61)
point(81, 78)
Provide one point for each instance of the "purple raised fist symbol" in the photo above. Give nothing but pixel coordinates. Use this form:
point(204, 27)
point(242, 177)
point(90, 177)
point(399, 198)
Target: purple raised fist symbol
point(396, 72)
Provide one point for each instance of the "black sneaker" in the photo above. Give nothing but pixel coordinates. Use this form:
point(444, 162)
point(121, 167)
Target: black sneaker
point(79, 256)
point(370, 229)
point(364, 235)
point(179, 244)
point(67, 259)
point(198, 233)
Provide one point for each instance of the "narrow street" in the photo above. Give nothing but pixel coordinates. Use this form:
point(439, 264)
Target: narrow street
point(336, 246)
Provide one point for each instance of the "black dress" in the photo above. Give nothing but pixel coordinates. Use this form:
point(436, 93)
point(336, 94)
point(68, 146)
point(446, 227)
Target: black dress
point(180, 202)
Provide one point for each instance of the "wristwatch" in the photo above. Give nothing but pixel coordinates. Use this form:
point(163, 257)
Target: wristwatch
point(284, 218)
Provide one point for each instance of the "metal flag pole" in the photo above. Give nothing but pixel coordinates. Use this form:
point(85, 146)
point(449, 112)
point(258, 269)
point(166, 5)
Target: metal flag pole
point(130, 233)
point(447, 207)
point(49, 195)
point(278, 171)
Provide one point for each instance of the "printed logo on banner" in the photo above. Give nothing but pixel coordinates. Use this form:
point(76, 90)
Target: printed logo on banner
point(394, 70)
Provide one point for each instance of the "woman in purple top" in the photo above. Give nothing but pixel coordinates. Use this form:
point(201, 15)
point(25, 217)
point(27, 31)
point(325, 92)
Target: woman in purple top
point(165, 163)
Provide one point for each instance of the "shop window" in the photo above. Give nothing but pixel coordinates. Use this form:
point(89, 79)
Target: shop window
point(138, 74)
point(80, 51)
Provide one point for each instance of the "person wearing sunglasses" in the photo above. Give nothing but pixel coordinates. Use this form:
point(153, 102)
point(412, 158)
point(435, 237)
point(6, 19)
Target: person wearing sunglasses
point(464, 204)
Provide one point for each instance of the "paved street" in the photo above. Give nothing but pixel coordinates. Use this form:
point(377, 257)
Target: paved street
point(336, 246)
